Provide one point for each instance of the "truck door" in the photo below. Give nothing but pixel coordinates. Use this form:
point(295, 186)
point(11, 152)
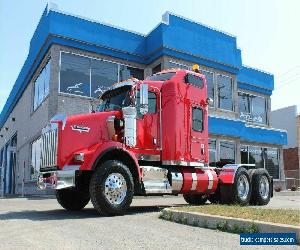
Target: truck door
point(148, 127)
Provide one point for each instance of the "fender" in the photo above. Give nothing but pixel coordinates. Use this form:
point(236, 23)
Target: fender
point(94, 154)
point(228, 171)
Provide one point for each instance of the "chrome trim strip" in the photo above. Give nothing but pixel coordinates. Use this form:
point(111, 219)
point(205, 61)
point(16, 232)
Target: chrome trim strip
point(177, 182)
point(210, 179)
point(183, 163)
point(195, 180)
point(145, 157)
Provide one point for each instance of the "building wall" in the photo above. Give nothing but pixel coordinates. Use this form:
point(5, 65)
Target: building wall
point(27, 126)
point(285, 118)
point(29, 123)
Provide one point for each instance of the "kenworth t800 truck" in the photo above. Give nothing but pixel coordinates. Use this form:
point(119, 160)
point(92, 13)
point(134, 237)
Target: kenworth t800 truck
point(146, 138)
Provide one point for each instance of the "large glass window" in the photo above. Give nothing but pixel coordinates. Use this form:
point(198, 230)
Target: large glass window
point(127, 72)
point(227, 152)
point(41, 86)
point(161, 77)
point(35, 158)
point(256, 156)
point(194, 80)
point(89, 77)
point(262, 158)
point(252, 108)
point(156, 69)
point(103, 75)
point(272, 162)
point(175, 65)
point(259, 109)
point(75, 75)
point(212, 152)
point(210, 84)
point(225, 96)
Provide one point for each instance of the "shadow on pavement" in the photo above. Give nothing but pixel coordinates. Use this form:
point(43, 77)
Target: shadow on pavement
point(61, 214)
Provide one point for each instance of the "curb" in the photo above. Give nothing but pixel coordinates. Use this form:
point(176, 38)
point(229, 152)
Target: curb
point(227, 224)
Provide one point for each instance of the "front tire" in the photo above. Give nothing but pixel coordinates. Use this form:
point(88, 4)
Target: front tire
point(111, 188)
point(72, 199)
point(195, 199)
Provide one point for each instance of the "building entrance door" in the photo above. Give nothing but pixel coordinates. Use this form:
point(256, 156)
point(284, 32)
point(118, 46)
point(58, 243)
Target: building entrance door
point(10, 165)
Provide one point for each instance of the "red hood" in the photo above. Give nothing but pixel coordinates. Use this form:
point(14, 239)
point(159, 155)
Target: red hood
point(82, 132)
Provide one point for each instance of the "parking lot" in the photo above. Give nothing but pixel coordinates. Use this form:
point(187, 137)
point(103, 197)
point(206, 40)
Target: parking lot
point(39, 223)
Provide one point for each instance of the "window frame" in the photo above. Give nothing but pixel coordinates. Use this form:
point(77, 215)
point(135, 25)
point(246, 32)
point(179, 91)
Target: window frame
point(92, 58)
point(43, 66)
point(251, 107)
point(216, 91)
point(263, 155)
point(186, 80)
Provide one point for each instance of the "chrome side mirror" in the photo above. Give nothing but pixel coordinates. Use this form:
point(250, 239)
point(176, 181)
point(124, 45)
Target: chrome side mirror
point(143, 99)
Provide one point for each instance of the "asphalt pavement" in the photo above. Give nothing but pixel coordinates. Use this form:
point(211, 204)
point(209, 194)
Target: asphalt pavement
point(38, 223)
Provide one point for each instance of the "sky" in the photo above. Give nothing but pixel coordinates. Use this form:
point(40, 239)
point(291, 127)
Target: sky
point(267, 32)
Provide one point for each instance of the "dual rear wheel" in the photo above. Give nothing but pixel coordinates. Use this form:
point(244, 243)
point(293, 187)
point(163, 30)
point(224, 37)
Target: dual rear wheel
point(254, 189)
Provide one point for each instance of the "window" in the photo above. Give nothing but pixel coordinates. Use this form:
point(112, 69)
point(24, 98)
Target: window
point(156, 69)
point(152, 103)
point(194, 80)
point(212, 152)
point(35, 158)
point(209, 76)
point(103, 75)
point(262, 158)
point(256, 156)
point(129, 72)
point(197, 117)
point(259, 109)
point(84, 76)
point(41, 86)
point(161, 77)
point(227, 152)
point(175, 65)
point(225, 96)
point(252, 108)
point(1, 161)
point(272, 162)
point(75, 75)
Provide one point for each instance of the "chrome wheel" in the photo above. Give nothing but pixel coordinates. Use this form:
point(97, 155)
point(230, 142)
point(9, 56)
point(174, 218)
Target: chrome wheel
point(115, 188)
point(243, 187)
point(264, 187)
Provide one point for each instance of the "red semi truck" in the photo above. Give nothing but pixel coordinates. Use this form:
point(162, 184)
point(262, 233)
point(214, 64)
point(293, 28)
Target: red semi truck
point(146, 138)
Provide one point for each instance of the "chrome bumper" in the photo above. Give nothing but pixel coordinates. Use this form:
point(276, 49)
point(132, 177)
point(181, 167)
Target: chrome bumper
point(57, 179)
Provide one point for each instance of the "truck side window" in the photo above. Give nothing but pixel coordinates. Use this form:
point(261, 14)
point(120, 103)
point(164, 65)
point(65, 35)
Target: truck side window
point(194, 80)
point(152, 103)
point(197, 117)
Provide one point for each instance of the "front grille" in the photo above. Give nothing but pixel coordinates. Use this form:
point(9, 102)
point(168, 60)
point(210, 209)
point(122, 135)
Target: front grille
point(49, 149)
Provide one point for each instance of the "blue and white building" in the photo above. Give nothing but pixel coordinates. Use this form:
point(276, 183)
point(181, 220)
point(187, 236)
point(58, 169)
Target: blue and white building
point(72, 59)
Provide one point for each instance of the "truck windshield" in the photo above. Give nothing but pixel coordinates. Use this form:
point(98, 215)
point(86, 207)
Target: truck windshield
point(115, 99)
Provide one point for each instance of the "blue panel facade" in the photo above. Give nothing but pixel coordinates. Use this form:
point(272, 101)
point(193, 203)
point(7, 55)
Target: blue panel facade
point(179, 38)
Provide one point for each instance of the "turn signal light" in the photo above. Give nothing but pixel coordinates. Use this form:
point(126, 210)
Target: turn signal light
point(79, 157)
point(115, 137)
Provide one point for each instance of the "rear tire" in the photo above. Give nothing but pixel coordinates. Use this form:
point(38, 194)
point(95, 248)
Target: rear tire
point(239, 192)
point(72, 199)
point(111, 188)
point(261, 188)
point(195, 199)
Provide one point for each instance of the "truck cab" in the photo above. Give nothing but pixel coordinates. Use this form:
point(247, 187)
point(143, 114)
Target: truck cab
point(146, 138)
